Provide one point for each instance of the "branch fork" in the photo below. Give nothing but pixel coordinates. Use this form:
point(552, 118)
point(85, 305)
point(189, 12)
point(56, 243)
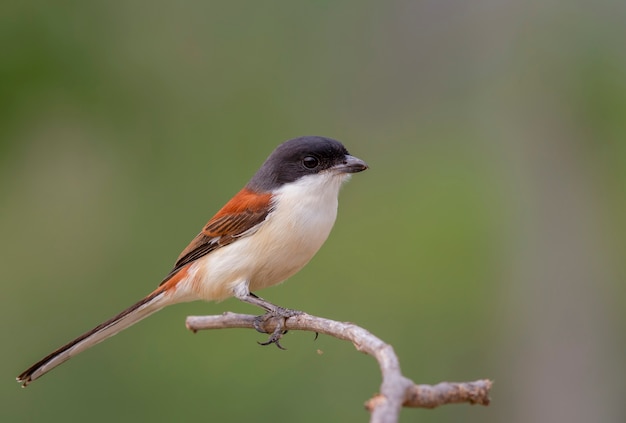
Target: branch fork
point(396, 390)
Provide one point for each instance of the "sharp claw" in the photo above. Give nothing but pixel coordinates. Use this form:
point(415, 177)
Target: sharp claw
point(317, 334)
point(275, 338)
point(271, 341)
point(282, 314)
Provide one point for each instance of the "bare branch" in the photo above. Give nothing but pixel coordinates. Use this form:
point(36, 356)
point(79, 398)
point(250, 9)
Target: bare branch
point(431, 396)
point(396, 390)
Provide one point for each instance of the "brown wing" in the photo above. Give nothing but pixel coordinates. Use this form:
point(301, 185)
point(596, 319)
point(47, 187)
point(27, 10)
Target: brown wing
point(239, 217)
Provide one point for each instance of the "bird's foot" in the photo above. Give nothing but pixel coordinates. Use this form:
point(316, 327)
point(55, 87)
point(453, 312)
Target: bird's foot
point(275, 317)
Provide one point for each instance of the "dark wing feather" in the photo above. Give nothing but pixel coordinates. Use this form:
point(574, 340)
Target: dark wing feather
point(239, 217)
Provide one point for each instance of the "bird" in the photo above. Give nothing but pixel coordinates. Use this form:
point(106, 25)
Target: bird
point(265, 234)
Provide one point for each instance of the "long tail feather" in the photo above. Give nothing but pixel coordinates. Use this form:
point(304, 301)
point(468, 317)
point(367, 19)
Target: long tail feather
point(150, 304)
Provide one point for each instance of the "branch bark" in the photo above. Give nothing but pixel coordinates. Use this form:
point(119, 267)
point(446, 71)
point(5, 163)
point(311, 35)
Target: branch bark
point(396, 391)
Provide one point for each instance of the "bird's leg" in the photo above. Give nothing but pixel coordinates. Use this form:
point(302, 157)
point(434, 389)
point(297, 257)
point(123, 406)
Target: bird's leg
point(273, 312)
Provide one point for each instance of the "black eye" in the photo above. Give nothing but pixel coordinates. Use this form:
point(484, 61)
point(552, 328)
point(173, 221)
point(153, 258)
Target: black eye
point(310, 162)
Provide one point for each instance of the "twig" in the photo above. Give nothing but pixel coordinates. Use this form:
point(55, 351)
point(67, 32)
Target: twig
point(396, 390)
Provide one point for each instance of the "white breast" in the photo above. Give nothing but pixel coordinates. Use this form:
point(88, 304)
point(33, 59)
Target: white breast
point(303, 216)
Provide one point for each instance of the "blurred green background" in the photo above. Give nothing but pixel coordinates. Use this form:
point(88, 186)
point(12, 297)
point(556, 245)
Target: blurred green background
point(487, 240)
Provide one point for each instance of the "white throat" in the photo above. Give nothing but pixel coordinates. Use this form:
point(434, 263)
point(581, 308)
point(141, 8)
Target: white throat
point(312, 196)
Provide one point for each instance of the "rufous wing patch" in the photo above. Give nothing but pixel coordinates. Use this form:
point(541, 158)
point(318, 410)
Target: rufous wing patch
point(243, 212)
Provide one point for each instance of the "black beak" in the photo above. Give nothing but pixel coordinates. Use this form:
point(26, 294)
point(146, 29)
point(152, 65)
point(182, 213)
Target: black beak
point(351, 164)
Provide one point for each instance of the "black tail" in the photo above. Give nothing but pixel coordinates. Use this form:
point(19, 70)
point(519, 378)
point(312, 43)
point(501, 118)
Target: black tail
point(126, 318)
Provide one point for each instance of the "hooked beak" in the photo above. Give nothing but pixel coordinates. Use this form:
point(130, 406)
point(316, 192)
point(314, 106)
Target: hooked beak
point(350, 164)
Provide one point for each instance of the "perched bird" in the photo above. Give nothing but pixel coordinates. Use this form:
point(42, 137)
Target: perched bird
point(266, 233)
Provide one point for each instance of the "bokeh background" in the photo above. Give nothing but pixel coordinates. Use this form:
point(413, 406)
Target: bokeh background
point(487, 240)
